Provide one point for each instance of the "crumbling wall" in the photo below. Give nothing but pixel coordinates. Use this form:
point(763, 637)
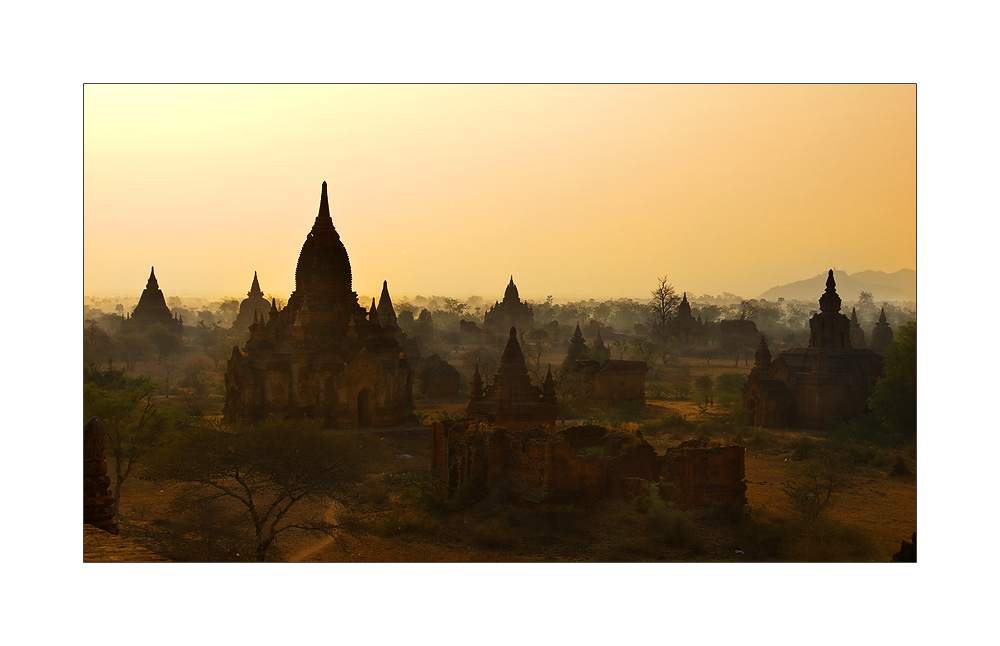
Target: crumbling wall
point(696, 475)
point(98, 503)
point(580, 464)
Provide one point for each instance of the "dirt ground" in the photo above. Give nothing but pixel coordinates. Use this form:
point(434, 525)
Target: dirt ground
point(869, 514)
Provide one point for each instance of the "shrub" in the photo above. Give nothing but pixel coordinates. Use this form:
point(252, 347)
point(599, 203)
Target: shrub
point(667, 524)
point(900, 468)
point(802, 448)
point(729, 388)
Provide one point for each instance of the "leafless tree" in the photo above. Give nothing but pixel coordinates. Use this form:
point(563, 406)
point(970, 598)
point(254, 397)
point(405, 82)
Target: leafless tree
point(662, 308)
point(270, 468)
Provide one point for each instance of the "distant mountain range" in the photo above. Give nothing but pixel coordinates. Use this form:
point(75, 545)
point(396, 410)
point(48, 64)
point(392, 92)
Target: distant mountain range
point(897, 286)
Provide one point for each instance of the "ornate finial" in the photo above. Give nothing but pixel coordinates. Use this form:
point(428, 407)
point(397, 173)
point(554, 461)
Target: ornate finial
point(151, 283)
point(881, 316)
point(831, 284)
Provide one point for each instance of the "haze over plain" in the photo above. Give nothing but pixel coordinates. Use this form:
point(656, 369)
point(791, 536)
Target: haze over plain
point(580, 191)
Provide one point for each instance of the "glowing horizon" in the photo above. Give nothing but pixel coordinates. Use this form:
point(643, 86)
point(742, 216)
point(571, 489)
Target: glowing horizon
point(579, 191)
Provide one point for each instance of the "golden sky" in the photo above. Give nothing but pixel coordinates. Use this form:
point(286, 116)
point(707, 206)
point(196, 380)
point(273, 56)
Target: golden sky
point(579, 191)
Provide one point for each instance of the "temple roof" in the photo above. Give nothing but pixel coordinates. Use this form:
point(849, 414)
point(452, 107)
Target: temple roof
point(830, 300)
point(255, 288)
point(323, 271)
point(511, 292)
point(386, 312)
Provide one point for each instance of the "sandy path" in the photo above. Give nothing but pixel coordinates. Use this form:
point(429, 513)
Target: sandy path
point(323, 541)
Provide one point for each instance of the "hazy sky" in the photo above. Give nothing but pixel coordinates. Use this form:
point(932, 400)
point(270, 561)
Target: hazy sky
point(579, 191)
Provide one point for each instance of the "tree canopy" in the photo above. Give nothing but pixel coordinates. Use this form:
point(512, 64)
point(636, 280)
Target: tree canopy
point(895, 399)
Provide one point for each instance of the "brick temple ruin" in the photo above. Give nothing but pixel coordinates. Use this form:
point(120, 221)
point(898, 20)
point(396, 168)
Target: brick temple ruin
point(881, 335)
point(809, 387)
point(152, 309)
point(510, 312)
point(98, 503)
point(595, 376)
point(581, 464)
point(254, 303)
point(686, 328)
point(511, 400)
point(323, 355)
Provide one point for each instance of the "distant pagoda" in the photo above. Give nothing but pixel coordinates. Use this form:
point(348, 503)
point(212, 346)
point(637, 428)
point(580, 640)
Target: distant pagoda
point(254, 302)
point(152, 309)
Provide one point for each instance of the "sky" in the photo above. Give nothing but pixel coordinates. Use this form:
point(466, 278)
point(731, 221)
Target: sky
point(578, 191)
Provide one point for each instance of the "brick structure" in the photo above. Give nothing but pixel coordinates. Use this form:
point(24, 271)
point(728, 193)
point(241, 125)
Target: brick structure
point(810, 387)
point(98, 503)
point(602, 379)
point(438, 378)
point(600, 352)
point(580, 464)
point(857, 334)
point(577, 351)
point(686, 328)
point(510, 312)
point(511, 400)
point(695, 474)
point(323, 355)
point(882, 335)
point(152, 308)
point(254, 303)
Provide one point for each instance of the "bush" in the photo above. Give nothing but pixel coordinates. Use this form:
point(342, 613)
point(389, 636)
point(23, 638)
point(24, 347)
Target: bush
point(900, 468)
point(667, 524)
point(751, 436)
point(672, 421)
point(802, 448)
point(729, 388)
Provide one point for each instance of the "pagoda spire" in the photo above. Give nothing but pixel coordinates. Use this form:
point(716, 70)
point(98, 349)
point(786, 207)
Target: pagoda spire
point(255, 288)
point(881, 316)
point(323, 218)
point(373, 313)
point(386, 311)
point(830, 300)
point(151, 283)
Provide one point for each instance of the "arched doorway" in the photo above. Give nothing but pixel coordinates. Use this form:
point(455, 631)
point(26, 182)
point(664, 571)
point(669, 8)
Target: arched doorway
point(365, 407)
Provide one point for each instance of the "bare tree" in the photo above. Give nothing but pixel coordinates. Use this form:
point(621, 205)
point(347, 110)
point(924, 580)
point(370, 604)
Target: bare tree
point(643, 347)
point(269, 469)
point(662, 308)
point(534, 343)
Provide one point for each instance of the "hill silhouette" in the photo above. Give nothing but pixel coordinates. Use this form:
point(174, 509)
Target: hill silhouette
point(897, 286)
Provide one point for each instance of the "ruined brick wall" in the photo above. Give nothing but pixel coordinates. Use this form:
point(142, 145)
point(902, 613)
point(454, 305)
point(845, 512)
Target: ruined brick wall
point(98, 503)
point(694, 476)
point(547, 468)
